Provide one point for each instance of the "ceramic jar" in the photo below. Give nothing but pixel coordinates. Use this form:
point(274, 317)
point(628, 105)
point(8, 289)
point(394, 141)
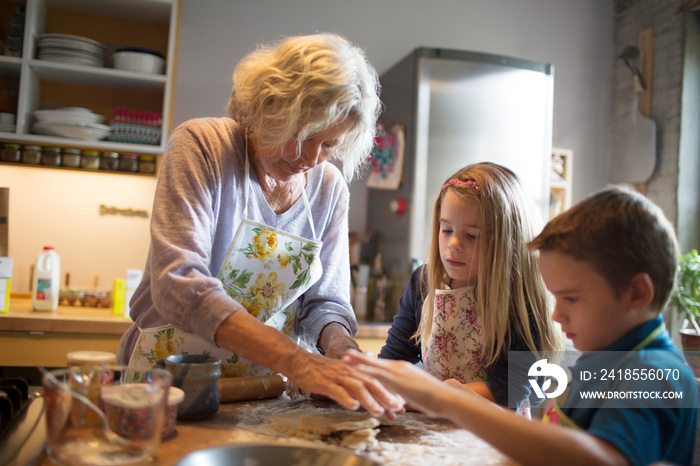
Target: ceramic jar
point(197, 375)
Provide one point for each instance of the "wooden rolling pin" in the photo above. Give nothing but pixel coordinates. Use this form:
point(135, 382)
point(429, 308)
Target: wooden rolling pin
point(250, 388)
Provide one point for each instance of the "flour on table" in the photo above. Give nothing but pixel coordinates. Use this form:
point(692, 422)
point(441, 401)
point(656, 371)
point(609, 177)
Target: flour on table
point(411, 440)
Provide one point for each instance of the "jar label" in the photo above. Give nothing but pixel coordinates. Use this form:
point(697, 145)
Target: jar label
point(43, 289)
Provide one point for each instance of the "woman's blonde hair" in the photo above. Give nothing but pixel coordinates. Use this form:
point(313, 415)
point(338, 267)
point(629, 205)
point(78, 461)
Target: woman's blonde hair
point(301, 86)
point(509, 285)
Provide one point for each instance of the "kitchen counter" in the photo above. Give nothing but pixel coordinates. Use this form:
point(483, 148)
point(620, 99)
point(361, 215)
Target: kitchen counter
point(34, 338)
point(414, 439)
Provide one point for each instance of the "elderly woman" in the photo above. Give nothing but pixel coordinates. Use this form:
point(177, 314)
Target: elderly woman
point(249, 256)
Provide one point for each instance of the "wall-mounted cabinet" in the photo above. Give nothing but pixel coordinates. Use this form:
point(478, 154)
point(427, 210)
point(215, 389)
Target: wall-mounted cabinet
point(29, 84)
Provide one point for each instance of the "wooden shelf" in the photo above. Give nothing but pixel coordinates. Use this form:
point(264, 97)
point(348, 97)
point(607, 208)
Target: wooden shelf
point(36, 139)
point(82, 170)
point(41, 84)
point(96, 76)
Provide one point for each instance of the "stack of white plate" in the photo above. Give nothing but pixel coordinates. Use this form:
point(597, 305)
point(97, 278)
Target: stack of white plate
point(70, 122)
point(7, 122)
point(67, 48)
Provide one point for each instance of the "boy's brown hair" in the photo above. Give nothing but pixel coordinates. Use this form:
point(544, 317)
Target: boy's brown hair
point(619, 233)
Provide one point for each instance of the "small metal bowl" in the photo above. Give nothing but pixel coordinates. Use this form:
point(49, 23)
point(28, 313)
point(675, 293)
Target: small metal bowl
point(262, 454)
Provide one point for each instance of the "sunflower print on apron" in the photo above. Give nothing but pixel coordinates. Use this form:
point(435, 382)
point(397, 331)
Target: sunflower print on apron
point(266, 270)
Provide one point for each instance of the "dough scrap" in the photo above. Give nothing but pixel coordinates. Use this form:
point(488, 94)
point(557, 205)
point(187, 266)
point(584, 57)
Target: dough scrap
point(288, 425)
point(327, 423)
point(363, 439)
point(349, 429)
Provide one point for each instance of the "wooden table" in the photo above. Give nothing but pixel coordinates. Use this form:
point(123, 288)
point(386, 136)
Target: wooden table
point(414, 439)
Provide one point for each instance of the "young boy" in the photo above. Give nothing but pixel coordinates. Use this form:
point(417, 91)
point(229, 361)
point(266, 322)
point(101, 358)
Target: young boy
point(610, 262)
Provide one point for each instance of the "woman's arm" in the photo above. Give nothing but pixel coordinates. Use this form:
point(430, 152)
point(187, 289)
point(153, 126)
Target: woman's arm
point(335, 341)
point(187, 217)
point(252, 340)
point(525, 441)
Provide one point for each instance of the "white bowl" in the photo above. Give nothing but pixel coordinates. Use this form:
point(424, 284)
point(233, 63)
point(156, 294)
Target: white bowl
point(68, 117)
point(7, 118)
point(90, 132)
point(139, 62)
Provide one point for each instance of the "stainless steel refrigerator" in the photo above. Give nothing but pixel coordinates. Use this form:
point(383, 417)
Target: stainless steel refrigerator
point(457, 107)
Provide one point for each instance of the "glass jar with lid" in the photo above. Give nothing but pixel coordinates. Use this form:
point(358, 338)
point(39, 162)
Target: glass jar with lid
point(147, 164)
point(128, 162)
point(11, 152)
point(70, 158)
point(90, 160)
point(51, 156)
point(109, 161)
point(31, 154)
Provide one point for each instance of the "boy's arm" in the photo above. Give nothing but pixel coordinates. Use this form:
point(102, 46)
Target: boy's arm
point(526, 442)
point(480, 388)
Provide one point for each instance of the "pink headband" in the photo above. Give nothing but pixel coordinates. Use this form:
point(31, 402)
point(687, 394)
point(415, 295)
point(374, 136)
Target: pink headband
point(460, 183)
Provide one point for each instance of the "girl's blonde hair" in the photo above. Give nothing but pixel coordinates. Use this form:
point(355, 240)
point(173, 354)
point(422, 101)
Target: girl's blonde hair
point(509, 285)
point(304, 85)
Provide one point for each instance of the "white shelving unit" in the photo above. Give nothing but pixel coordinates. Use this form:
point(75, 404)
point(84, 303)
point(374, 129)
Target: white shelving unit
point(560, 185)
point(116, 23)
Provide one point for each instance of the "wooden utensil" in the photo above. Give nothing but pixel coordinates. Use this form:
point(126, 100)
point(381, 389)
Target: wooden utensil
point(250, 388)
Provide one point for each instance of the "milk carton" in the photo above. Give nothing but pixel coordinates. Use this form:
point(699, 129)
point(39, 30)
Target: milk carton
point(46, 280)
point(5, 280)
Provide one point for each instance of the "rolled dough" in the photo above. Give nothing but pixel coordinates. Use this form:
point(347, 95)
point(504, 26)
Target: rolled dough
point(348, 429)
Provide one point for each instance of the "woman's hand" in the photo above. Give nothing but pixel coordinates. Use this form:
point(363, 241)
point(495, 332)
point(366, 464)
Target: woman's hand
point(246, 336)
point(342, 383)
point(420, 389)
point(335, 341)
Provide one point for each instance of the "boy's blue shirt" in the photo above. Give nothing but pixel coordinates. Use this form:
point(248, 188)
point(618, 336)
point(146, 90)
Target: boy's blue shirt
point(645, 430)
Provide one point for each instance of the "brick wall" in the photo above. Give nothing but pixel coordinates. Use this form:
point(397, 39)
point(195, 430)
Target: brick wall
point(631, 17)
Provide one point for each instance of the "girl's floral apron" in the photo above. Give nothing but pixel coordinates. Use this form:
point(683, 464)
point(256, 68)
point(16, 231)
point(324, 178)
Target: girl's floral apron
point(455, 347)
point(266, 270)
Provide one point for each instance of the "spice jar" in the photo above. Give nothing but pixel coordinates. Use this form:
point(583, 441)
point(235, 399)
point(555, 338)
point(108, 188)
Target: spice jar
point(51, 156)
point(31, 154)
point(11, 152)
point(71, 158)
point(147, 164)
point(109, 161)
point(90, 160)
point(128, 162)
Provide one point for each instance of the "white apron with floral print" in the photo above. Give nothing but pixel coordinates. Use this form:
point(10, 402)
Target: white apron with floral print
point(266, 270)
point(455, 347)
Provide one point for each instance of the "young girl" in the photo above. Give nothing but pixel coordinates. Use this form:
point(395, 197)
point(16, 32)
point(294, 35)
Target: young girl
point(480, 294)
point(610, 261)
